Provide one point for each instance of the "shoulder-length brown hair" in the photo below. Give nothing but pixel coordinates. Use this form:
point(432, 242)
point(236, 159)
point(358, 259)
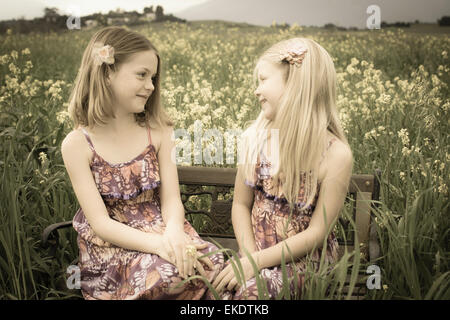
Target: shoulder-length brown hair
point(90, 101)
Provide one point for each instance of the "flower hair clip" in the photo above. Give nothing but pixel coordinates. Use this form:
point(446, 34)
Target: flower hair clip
point(294, 55)
point(103, 54)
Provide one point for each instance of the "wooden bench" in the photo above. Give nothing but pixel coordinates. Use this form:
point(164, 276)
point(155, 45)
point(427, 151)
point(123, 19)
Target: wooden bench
point(207, 197)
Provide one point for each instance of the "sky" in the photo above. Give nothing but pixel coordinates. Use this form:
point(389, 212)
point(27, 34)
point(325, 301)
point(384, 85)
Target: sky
point(344, 13)
point(35, 8)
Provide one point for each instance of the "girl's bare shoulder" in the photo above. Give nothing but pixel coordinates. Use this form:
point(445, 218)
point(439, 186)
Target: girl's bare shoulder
point(161, 134)
point(73, 139)
point(75, 144)
point(339, 151)
point(339, 155)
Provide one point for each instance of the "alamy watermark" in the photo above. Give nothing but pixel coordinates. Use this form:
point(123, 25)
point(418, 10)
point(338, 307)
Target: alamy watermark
point(374, 280)
point(374, 20)
point(73, 281)
point(207, 146)
point(74, 20)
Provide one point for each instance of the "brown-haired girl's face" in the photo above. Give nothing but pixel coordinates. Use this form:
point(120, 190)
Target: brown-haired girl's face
point(133, 83)
point(271, 85)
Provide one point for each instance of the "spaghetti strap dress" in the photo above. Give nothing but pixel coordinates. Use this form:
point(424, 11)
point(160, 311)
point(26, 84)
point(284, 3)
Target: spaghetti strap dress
point(131, 193)
point(271, 224)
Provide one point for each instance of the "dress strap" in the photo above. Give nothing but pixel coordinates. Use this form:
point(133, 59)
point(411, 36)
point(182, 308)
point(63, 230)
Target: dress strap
point(330, 143)
point(149, 136)
point(88, 139)
point(328, 147)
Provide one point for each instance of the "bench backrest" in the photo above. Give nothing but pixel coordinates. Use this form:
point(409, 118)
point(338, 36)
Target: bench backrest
point(212, 188)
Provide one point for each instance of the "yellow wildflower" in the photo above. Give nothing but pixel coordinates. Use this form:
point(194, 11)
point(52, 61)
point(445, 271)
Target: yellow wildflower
point(14, 54)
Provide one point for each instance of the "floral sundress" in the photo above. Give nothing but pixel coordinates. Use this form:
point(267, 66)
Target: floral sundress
point(271, 224)
point(131, 195)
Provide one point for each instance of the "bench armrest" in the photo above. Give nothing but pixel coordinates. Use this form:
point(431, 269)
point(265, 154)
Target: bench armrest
point(374, 244)
point(50, 236)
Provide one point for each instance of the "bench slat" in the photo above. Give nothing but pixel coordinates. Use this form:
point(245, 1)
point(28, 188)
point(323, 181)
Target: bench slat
point(207, 176)
point(228, 243)
point(226, 177)
point(363, 215)
point(362, 183)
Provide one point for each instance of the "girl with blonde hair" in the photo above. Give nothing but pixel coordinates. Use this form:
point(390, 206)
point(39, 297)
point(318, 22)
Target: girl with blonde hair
point(133, 239)
point(295, 171)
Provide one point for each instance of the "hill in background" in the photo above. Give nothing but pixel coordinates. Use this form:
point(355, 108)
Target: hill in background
point(344, 13)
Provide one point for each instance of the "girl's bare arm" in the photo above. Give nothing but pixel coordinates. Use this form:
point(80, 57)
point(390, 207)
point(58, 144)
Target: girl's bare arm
point(172, 209)
point(241, 214)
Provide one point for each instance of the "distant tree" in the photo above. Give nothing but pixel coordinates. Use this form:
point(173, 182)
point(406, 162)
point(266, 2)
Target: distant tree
point(115, 13)
point(159, 13)
point(148, 9)
point(171, 17)
point(384, 24)
point(102, 19)
point(402, 24)
point(132, 16)
point(329, 26)
point(51, 12)
point(444, 21)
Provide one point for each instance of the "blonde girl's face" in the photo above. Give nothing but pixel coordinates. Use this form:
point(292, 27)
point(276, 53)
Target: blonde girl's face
point(133, 83)
point(271, 85)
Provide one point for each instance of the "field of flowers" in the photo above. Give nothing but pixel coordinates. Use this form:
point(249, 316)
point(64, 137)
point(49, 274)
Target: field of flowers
point(393, 99)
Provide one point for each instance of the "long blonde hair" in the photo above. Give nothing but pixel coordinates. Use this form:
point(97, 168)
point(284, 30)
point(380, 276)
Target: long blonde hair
point(90, 101)
point(306, 110)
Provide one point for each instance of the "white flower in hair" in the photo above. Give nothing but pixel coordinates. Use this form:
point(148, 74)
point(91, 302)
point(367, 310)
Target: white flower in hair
point(103, 54)
point(294, 55)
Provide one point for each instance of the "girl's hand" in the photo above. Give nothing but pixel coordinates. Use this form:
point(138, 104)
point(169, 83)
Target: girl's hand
point(195, 257)
point(164, 252)
point(175, 244)
point(228, 279)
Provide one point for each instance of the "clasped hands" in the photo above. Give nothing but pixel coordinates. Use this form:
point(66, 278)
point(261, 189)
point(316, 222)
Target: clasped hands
point(179, 249)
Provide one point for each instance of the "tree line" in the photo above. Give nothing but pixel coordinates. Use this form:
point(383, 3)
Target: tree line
point(53, 21)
